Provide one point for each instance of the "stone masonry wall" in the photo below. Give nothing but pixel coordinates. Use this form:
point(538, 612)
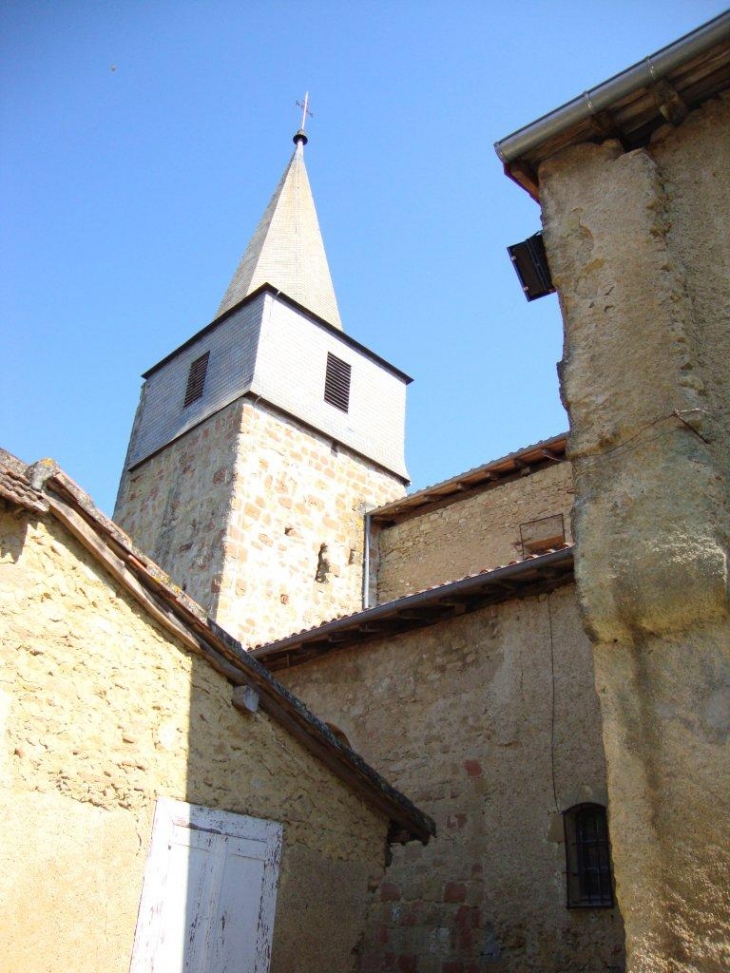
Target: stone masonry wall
point(259, 519)
point(294, 542)
point(175, 505)
point(102, 712)
point(640, 253)
point(491, 722)
point(469, 535)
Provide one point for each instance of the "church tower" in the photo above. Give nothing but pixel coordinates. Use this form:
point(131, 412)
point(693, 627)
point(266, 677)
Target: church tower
point(259, 443)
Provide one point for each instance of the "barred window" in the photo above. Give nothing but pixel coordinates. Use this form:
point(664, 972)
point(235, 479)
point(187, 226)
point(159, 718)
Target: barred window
point(588, 856)
point(196, 379)
point(337, 382)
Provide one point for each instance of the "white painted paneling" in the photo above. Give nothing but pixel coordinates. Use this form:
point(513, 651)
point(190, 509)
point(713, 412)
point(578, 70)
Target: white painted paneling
point(290, 372)
point(272, 350)
point(233, 942)
point(233, 346)
point(209, 893)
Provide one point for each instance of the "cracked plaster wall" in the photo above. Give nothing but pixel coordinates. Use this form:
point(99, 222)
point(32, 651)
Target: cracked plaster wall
point(640, 252)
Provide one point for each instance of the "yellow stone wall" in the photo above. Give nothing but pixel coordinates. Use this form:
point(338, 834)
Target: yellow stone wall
point(294, 492)
point(238, 509)
point(639, 250)
point(491, 722)
point(469, 535)
point(102, 711)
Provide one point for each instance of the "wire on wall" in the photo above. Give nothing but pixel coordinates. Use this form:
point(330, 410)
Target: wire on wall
point(552, 704)
point(674, 414)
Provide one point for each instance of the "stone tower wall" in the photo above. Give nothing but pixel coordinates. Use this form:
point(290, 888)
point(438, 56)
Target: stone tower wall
point(175, 505)
point(258, 518)
point(294, 542)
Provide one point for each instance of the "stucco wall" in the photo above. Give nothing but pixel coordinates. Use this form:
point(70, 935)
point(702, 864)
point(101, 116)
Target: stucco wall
point(238, 511)
point(694, 162)
point(491, 722)
point(469, 535)
point(102, 712)
point(639, 250)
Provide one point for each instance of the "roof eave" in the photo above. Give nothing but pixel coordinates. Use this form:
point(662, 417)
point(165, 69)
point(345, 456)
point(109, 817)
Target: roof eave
point(45, 489)
point(526, 460)
point(600, 99)
point(534, 575)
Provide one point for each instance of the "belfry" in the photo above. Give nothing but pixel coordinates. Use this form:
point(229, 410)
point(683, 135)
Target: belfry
point(261, 441)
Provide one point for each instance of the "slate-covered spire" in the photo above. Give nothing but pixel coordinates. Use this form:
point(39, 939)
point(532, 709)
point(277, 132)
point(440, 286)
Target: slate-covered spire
point(287, 250)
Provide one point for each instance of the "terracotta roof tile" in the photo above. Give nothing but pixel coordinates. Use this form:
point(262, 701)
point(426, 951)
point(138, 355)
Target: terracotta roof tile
point(521, 460)
point(15, 486)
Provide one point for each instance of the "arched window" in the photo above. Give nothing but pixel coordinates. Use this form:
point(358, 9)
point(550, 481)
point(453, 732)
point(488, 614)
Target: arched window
point(588, 857)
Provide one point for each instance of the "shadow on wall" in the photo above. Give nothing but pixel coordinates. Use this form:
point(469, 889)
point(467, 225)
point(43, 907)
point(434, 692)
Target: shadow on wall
point(282, 874)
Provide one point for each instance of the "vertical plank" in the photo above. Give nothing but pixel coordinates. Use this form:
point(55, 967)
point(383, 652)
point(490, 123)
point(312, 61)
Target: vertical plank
point(209, 895)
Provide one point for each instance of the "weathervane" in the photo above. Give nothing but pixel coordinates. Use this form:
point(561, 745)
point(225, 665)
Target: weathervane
point(304, 105)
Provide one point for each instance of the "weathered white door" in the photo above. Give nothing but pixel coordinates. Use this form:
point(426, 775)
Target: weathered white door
point(209, 892)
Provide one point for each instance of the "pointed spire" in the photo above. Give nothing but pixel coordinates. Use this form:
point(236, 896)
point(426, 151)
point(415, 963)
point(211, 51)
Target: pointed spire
point(286, 249)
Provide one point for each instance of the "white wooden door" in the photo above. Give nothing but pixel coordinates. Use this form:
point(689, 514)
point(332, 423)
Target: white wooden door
point(209, 892)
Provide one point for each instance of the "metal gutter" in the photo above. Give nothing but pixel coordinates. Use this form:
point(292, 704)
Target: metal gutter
point(600, 98)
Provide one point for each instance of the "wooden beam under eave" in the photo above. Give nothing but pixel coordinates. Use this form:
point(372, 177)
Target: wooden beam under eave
point(525, 177)
point(452, 606)
point(551, 456)
point(604, 125)
point(669, 102)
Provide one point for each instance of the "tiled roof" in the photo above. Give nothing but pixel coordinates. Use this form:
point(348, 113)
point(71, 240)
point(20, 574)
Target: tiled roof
point(45, 489)
point(522, 462)
point(14, 485)
point(519, 579)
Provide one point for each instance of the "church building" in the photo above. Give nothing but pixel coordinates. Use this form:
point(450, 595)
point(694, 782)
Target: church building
point(439, 632)
point(535, 650)
point(262, 441)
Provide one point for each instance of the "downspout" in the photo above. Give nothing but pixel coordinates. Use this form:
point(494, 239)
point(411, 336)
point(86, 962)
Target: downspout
point(366, 564)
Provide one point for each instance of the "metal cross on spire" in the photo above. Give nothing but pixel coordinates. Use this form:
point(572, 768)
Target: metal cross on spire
point(304, 105)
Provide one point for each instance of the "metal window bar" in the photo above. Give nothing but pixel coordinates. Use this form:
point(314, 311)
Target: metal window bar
point(337, 382)
point(588, 857)
point(196, 379)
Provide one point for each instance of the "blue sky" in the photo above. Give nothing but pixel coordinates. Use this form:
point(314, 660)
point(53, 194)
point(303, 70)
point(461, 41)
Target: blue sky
point(141, 142)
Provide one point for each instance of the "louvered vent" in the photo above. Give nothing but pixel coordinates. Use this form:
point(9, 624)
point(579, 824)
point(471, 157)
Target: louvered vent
point(196, 379)
point(337, 382)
